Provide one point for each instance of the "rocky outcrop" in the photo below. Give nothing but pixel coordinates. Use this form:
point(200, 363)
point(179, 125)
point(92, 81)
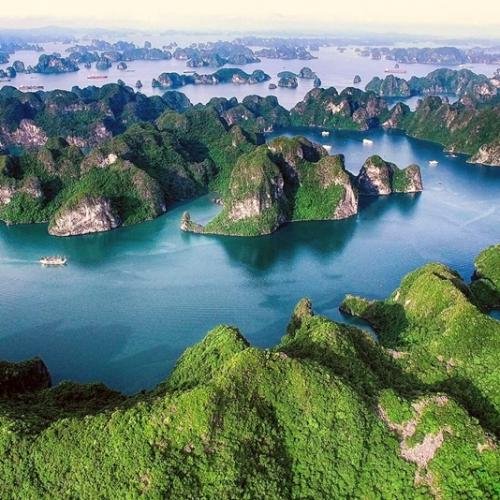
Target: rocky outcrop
point(378, 177)
point(256, 186)
point(88, 215)
point(287, 80)
point(375, 177)
point(390, 86)
point(53, 63)
point(398, 114)
point(307, 73)
point(350, 109)
point(27, 376)
point(226, 75)
point(188, 226)
point(348, 205)
point(441, 81)
point(30, 186)
point(488, 154)
point(27, 134)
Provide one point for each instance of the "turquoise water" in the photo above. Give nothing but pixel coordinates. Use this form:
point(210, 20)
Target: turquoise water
point(130, 301)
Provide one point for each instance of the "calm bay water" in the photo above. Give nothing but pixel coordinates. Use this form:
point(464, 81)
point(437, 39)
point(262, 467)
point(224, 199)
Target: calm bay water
point(130, 301)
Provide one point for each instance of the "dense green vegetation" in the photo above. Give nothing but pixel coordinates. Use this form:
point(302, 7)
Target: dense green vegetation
point(326, 413)
point(486, 279)
point(442, 337)
point(288, 179)
point(440, 81)
point(351, 109)
point(144, 153)
point(461, 127)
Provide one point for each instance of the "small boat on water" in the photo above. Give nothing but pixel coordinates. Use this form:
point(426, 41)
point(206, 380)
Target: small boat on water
point(367, 142)
point(97, 77)
point(54, 260)
point(398, 71)
point(31, 87)
point(327, 147)
point(325, 133)
point(433, 163)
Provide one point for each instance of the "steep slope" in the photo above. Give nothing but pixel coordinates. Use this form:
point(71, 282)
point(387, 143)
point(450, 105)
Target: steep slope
point(440, 336)
point(328, 412)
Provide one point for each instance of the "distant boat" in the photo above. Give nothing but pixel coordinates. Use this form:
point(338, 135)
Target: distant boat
point(327, 147)
point(325, 133)
point(54, 260)
point(97, 77)
point(395, 70)
point(31, 87)
point(367, 142)
point(433, 163)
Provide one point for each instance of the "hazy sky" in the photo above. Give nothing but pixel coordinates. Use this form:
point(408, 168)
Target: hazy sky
point(325, 15)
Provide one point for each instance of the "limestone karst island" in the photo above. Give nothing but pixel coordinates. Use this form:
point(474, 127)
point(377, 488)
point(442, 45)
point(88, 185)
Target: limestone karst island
point(249, 251)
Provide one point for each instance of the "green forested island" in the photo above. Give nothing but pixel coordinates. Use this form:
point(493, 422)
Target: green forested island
point(329, 412)
point(94, 159)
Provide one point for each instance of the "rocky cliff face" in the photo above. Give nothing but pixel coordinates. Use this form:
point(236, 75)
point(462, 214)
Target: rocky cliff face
point(27, 134)
point(348, 204)
point(375, 177)
point(378, 177)
point(398, 114)
point(488, 154)
point(89, 215)
point(256, 186)
point(390, 86)
point(351, 109)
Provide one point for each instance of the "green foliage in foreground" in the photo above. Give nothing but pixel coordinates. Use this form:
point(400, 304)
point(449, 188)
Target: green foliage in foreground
point(327, 413)
point(486, 282)
point(440, 337)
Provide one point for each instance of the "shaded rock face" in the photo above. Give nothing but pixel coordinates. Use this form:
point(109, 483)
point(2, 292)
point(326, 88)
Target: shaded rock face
point(326, 107)
point(398, 113)
point(375, 177)
point(30, 186)
point(289, 153)
point(390, 86)
point(488, 154)
point(6, 194)
point(307, 73)
point(378, 177)
point(413, 180)
point(89, 215)
point(288, 81)
point(270, 192)
point(27, 376)
point(28, 135)
point(348, 205)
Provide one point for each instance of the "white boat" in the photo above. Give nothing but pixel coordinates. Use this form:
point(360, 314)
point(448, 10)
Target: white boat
point(433, 163)
point(367, 142)
point(55, 260)
point(327, 147)
point(325, 133)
